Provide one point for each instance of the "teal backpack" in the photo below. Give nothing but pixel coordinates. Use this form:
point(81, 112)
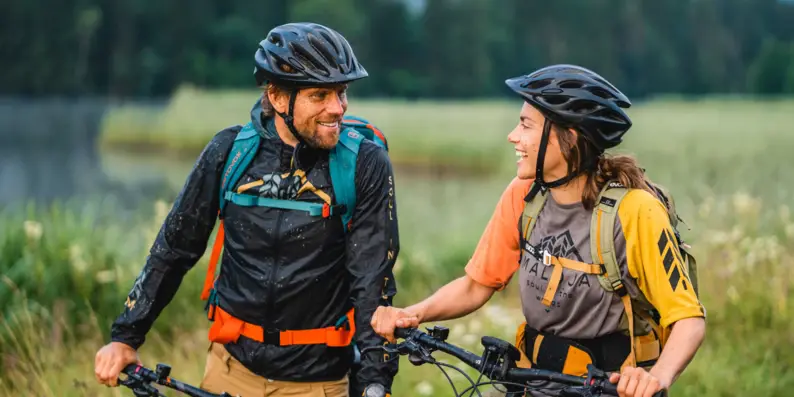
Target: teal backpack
point(342, 167)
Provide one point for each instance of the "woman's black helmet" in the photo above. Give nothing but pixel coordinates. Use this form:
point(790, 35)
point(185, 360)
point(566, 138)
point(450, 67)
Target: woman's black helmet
point(573, 96)
point(306, 54)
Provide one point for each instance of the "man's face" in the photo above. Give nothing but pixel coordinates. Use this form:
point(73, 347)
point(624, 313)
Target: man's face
point(318, 114)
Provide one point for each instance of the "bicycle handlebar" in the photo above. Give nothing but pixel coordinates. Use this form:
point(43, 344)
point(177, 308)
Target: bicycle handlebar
point(596, 381)
point(140, 378)
point(500, 369)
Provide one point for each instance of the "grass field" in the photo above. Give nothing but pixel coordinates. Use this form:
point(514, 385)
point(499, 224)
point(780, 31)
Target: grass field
point(66, 270)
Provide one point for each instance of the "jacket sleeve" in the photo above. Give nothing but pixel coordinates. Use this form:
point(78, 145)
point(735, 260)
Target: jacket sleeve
point(373, 246)
point(180, 243)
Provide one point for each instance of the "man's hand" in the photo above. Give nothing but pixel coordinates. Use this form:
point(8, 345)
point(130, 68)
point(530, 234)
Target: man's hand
point(386, 319)
point(637, 382)
point(111, 359)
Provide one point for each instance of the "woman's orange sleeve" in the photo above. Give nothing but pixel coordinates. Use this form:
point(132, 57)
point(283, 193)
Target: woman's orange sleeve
point(496, 257)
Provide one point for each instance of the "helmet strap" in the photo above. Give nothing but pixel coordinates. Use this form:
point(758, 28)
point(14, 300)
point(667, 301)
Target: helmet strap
point(540, 184)
point(289, 118)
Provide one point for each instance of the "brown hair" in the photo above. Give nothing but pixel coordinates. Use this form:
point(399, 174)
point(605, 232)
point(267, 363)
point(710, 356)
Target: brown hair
point(267, 107)
point(600, 168)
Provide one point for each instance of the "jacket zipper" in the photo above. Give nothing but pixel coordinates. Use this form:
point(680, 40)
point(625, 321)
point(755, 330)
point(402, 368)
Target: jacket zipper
point(274, 271)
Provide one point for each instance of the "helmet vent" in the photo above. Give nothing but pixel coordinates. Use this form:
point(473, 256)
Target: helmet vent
point(537, 84)
point(276, 39)
point(330, 40)
point(571, 84)
point(600, 92)
point(584, 107)
point(609, 115)
point(555, 100)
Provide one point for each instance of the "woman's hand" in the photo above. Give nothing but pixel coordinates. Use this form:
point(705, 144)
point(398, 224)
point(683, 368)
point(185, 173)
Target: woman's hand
point(386, 319)
point(636, 382)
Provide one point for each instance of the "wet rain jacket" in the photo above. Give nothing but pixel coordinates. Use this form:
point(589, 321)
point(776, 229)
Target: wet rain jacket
point(281, 269)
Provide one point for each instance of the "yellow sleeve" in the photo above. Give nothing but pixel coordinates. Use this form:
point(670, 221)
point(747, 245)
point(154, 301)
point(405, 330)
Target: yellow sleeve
point(653, 258)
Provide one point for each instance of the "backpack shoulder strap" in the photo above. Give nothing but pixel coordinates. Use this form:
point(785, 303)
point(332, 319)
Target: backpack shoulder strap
point(363, 126)
point(602, 235)
point(530, 215)
point(342, 165)
point(602, 249)
point(243, 150)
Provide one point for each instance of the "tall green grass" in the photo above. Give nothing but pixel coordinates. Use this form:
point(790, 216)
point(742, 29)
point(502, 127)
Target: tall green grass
point(725, 161)
point(471, 135)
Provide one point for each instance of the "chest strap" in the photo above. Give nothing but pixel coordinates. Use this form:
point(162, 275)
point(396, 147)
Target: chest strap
point(227, 328)
point(314, 209)
point(558, 264)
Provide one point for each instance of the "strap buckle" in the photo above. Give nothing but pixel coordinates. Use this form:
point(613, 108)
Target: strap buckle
point(326, 210)
point(271, 336)
point(546, 258)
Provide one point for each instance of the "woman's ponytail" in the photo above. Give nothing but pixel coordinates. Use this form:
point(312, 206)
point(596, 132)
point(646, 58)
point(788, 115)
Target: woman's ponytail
point(621, 168)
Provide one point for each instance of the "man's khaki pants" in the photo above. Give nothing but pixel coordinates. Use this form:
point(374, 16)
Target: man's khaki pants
point(224, 373)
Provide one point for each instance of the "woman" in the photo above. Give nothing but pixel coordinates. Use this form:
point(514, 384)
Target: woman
point(570, 117)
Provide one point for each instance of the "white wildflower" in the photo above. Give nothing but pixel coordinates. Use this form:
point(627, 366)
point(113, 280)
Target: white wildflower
point(105, 276)
point(424, 388)
point(458, 329)
point(745, 205)
point(470, 339)
point(33, 230)
point(160, 209)
point(705, 208)
point(398, 265)
point(475, 326)
point(784, 212)
point(76, 259)
point(733, 294)
point(719, 238)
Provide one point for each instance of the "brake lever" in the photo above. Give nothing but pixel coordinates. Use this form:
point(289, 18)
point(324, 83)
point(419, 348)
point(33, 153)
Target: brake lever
point(417, 354)
point(139, 387)
point(594, 374)
point(394, 354)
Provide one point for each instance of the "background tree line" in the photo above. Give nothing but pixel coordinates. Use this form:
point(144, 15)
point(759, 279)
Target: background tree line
point(412, 48)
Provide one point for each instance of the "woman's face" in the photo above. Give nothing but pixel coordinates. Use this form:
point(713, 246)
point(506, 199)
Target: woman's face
point(526, 139)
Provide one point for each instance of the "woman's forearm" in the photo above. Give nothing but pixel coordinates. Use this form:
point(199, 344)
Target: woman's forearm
point(685, 339)
point(456, 299)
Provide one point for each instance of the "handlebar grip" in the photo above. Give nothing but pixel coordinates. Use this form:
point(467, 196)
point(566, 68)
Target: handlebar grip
point(402, 333)
point(612, 390)
point(131, 369)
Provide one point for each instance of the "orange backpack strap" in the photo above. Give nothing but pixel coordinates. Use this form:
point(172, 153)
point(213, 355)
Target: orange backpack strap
point(227, 328)
point(217, 247)
point(524, 361)
point(558, 264)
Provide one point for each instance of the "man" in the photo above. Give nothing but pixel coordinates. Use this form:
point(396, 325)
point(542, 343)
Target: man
point(284, 271)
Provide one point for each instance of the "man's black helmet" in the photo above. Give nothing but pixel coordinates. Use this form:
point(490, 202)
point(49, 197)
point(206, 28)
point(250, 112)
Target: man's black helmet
point(573, 96)
point(306, 54)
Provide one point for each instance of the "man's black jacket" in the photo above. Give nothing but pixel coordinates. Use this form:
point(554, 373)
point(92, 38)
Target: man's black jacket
point(281, 269)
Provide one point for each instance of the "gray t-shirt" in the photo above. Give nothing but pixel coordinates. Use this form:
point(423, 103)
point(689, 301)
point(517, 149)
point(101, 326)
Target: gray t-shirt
point(581, 308)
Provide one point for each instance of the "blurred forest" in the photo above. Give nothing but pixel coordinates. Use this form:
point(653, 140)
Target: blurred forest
point(412, 48)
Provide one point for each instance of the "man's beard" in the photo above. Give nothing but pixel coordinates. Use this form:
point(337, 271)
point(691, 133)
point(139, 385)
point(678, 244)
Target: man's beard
point(315, 141)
